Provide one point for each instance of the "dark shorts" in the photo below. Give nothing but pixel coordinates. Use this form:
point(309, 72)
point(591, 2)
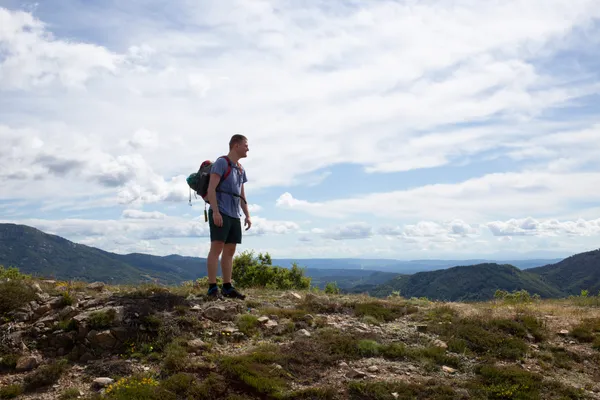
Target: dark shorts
point(230, 232)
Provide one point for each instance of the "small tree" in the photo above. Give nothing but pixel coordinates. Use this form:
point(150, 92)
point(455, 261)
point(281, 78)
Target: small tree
point(250, 271)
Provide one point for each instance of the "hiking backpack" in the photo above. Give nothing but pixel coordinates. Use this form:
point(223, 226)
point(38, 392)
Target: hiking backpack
point(198, 181)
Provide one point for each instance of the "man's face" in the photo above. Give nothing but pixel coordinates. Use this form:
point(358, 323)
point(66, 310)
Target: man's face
point(242, 149)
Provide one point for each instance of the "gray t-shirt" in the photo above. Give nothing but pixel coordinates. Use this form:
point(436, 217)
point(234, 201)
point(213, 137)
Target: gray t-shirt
point(228, 204)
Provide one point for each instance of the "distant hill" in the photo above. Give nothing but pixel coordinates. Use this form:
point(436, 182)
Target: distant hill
point(404, 266)
point(573, 274)
point(42, 254)
point(464, 283)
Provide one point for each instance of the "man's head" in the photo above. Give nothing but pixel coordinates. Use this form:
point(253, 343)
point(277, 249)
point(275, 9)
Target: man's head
point(239, 145)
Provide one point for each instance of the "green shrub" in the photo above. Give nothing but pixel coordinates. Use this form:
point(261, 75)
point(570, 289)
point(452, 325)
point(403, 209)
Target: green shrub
point(382, 311)
point(14, 294)
point(10, 391)
point(13, 274)
point(247, 324)
point(249, 271)
point(137, 387)
point(332, 288)
point(381, 390)
point(500, 338)
point(45, 375)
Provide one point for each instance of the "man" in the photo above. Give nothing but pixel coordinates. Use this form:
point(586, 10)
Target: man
point(224, 215)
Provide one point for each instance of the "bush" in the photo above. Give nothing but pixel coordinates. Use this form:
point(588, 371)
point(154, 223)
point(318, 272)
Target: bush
point(332, 288)
point(249, 271)
point(14, 294)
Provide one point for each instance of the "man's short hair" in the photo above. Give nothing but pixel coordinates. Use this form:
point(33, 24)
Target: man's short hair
point(235, 139)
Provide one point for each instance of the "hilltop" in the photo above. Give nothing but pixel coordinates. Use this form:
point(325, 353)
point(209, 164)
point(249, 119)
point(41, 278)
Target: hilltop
point(67, 340)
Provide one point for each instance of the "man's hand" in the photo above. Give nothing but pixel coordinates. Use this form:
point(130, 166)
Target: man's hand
point(248, 222)
point(217, 218)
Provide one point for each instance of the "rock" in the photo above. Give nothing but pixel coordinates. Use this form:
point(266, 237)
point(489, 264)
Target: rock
point(27, 363)
point(304, 332)
point(42, 296)
point(41, 310)
point(221, 312)
point(563, 332)
point(355, 374)
point(67, 312)
point(36, 287)
point(294, 295)
point(448, 369)
point(56, 302)
point(270, 323)
point(100, 383)
point(48, 320)
point(440, 343)
point(343, 365)
point(373, 368)
point(263, 319)
point(196, 344)
point(97, 286)
point(103, 339)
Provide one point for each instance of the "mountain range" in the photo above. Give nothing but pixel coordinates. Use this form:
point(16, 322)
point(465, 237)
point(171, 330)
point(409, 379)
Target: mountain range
point(42, 254)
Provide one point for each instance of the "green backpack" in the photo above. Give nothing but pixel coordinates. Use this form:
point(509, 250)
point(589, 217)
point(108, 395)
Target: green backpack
point(198, 181)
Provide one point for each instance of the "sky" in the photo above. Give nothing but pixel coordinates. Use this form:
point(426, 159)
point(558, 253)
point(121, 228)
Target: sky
point(377, 129)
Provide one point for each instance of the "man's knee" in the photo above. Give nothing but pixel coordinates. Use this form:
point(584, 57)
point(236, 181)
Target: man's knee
point(216, 248)
point(229, 250)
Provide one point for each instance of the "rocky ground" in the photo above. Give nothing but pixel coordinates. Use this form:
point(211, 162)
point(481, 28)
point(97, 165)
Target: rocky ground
point(73, 340)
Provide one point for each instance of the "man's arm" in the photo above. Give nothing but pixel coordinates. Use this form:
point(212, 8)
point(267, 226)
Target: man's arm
point(245, 203)
point(212, 192)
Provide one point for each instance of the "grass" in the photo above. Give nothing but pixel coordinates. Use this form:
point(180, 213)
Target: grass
point(10, 391)
point(501, 338)
point(14, 294)
point(383, 311)
point(404, 391)
point(588, 330)
point(45, 375)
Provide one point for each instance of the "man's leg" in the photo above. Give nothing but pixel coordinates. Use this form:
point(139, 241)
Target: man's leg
point(227, 261)
point(233, 238)
point(212, 261)
point(218, 235)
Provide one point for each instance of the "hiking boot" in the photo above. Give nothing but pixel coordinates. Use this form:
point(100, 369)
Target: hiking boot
point(232, 293)
point(213, 294)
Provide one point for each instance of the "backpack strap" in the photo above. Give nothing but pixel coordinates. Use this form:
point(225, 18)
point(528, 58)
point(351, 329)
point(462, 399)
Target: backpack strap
point(226, 174)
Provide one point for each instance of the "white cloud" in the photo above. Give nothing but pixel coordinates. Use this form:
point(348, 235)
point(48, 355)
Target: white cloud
point(137, 214)
point(362, 92)
point(551, 227)
point(501, 195)
point(33, 58)
point(357, 230)
point(123, 121)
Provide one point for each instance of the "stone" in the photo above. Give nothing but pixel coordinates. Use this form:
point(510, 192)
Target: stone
point(196, 344)
point(263, 319)
point(271, 324)
point(67, 312)
point(563, 332)
point(440, 343)
point(373, 368)
point(27, 363)
point(220, 313)
point(103, 339)
point(304, 332)
point(355, 374)
point(103, 382)
point(448, 369)
point(97, 286)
